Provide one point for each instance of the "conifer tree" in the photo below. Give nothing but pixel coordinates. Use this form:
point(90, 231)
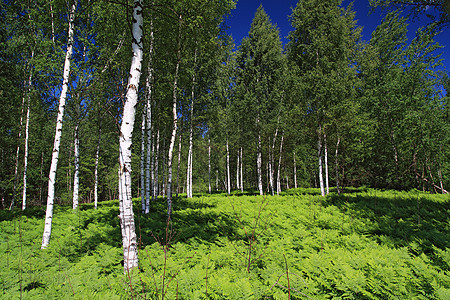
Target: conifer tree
point(259, 63)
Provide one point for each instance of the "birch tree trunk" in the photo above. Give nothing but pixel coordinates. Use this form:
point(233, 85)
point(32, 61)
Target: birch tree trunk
point(149, 94)
point(270, 172)
point(319, 154)
point(440, 180)
point(295, 172)
point(242, 176)
point(179, 163)
point(156, 168)
point(163, 178)
point(25, 158)
point(259, 159)
point(209, 165)
point(53, 25)
point(76, 163)
point(189, 169)
point(97, 154)
point(16, 166)
point(272, 163)
point(228, 171)
point(59, 122)
point(337, 165)
point(191, 132)
point(174, 126)
point(287, 180)
point(237, 170)
point(127, 225)
point(279, 166)
point(148, 181)
point(143, 159)
point(259, 166)
point(217, 180)
point(326, 164)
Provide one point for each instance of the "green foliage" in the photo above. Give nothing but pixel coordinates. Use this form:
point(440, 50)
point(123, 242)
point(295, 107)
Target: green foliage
point(364, 244)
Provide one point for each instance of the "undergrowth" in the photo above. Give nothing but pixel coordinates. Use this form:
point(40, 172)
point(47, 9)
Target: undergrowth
point(363, 244)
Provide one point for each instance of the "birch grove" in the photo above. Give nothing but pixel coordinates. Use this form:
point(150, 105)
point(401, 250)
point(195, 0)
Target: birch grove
point(288, 108)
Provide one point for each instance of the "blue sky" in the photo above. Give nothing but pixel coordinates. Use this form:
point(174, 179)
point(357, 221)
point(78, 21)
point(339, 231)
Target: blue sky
point(279, 10)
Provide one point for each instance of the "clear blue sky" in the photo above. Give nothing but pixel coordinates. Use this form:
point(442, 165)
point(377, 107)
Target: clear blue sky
point(279, 10)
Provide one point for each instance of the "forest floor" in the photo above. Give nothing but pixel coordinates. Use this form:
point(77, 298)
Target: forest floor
point(362, 244)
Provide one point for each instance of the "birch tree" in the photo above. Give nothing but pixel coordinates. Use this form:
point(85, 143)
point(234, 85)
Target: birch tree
point(59, 123)
point(76, 173)
point(126, 216)
point(175, 121)
point(321, 46)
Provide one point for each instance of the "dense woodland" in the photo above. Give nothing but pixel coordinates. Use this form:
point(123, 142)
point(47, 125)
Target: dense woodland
point(104, 100)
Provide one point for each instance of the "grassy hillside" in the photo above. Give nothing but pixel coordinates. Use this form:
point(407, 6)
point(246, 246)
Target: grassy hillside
point(365, 244)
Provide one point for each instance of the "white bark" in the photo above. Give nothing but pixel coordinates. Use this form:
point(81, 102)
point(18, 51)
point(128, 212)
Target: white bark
point(337, 165)
point(188, 169)
point(237, 171)
point(259, 166)
point(179, 163)
point(76, 178)
point(127, 225)
point(295, 172)
point(319, 154)
point(143, 159)
point(287, 181)
point(53, 25)
point(191, 132)
point(59, 121)
point(149, 86)
point(25, 158)
point(163, 179)
point(228, 171)
point(270, 172)
point(242, 176)
point(441, 181)
point(156, 168)
point(16, 167)
point(217, 180)
point(209, 165)
point(279, 167)
point(272, 162)
point(174, 125)
point(326, 164)
point(97, 154)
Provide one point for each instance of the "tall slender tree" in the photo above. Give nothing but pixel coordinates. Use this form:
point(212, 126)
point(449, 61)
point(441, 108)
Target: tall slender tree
point(259, 62)
point(130, 254)
point(59, 123)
